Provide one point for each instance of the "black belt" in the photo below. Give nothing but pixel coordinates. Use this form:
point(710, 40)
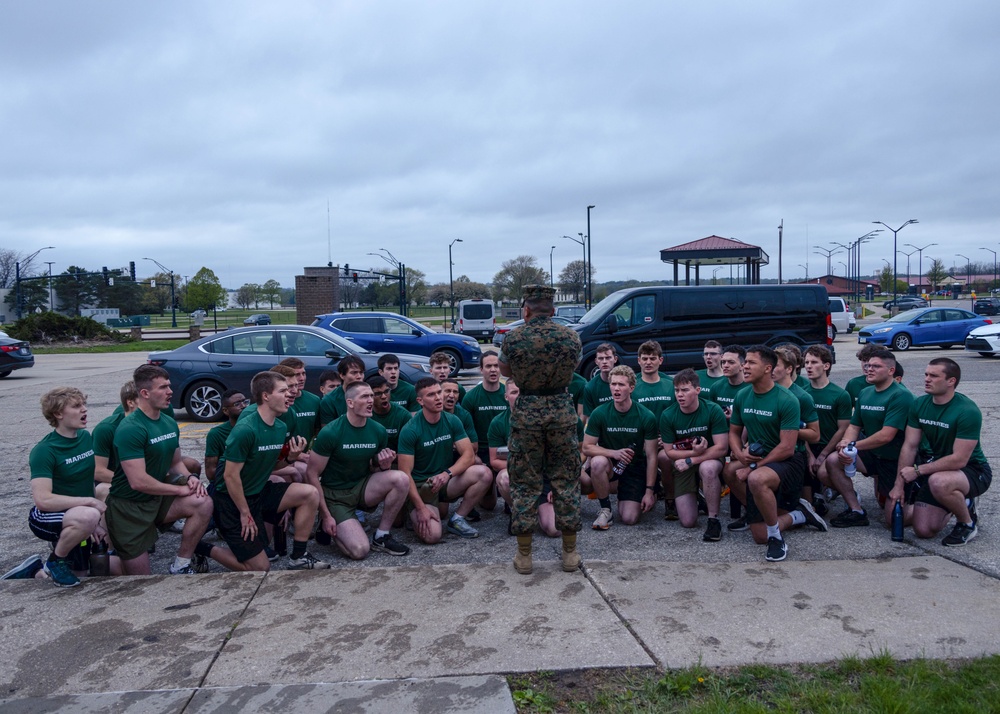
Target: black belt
point(543, 392)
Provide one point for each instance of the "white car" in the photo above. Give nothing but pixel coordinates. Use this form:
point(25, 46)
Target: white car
point(841, 316)
point(985, 340)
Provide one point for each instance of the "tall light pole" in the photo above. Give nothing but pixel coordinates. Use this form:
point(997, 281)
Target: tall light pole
point(840, 262)
point(51, 303)
point(173, 304)
point(551, 283)
point(894, 248)
point(590, 263)
point(715, 271)
point(17, 275)
point(400, 270)
point(585, 276)
point(855, 249)
point(920, 251)
point(994, 266)
point(968, 272)
point(829, 253)
point(805, 268)
point(451, 280)
point(907, 267)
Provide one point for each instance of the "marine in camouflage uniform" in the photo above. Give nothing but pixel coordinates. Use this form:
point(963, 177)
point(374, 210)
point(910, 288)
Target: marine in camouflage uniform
point(541, 356)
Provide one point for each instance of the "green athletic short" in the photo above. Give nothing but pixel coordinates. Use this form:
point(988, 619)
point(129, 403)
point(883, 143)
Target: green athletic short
point(343, 502)
point(132, 525)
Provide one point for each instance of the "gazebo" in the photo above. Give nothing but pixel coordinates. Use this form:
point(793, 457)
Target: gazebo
point(715, 251)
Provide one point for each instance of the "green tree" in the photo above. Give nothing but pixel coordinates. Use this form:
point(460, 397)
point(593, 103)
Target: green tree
point(416, 287)
point(937, 274)
point(157, 299)
point(514, 274)
point(75, 290)
point(271, 291)
point(466, 289)
point(573, 278)
point(246, 295)
point(125, 295)
point(34, 296)
point(205, 291)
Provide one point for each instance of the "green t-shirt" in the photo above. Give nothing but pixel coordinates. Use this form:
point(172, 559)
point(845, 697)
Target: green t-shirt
point(801, 382)
point(617, 430)
point(405, 396)
point(807, 411)
point(392, 421)
point(706, 421)
point(306, 408)
point(724, 393)
point(430, 445)
point(854, 386)
point(333, 405)
point(104, 438)
point(766, 415)
point(289, 418)
point(596, 393)
point(68, 462)
point(139, 437)
point(467, 424)
point(576, 387)
point(656, 396)
point(215, 445)
point(707, 383)
point(484, 406)
point(350, 450)
point(941, 424)
point(890, 407)
point(833, 404)
point(257, 446)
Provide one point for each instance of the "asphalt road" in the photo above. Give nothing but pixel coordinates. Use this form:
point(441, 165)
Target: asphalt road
point(653, 539)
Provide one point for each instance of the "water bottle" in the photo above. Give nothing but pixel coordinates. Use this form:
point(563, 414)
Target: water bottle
point(620, 466)
point(851, 451)
point(897, 522)
point(100, 561)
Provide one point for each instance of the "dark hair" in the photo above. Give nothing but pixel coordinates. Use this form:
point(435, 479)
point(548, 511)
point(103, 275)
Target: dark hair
point(820, 352)
point(488, 353)
point(344, 366)
point(899, 370)
point(387, 358)
point(377, 381)
point(866, 352)
point(128, 393)
point(790, 355)
point(329, 375)
point(650, 347)
point(736, 350)
point(687, 376)
point(606, 347)
point(353, 388)
point(293, 362)
point(144, 375)
point(264, 383)
point(284, 370)
point(714, 344)
point(766, 354)
point(951, 368)
point(229, 394)
point(439, 357)
point(425, 383)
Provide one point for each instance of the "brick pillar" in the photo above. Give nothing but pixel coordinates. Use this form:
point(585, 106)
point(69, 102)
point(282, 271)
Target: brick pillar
point(317, 292)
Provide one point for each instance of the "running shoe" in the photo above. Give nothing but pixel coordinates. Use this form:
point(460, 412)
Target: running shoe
point(849, 519)
point(713, 531)
point(777, 550)
point(604, 520)
point(61, 574)
point(24, 571)
point(812, 518)
point(960, 535)
point(388, 544)
point(307, 562)
point(457, 525)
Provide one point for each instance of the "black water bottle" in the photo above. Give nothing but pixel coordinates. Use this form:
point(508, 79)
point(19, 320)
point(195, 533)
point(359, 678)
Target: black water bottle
point(100, 561)
point(897, 522)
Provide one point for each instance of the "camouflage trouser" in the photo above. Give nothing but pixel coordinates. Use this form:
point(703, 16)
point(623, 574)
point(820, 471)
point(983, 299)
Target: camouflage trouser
point(537, 454)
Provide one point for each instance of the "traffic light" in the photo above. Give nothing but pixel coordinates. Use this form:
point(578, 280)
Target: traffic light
point(354, 277)
point(347, 270)
point(131, 270)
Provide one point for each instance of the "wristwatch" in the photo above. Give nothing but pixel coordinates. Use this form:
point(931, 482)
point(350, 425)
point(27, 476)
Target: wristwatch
point(688, 461)
point(753, 466)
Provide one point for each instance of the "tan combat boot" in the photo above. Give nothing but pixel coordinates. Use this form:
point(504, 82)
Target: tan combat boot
point(522, 560)
point(570, 558)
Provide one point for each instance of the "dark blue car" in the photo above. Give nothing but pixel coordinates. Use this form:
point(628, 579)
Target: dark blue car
point(389, 332)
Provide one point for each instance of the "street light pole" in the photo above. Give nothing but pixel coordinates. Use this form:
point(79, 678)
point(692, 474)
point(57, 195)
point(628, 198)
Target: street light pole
point(173, 303)
point(451, 280)
point(51, 303)
point(894, 232)
point(17, 276)
point(829, 253)
point(585, 276)
point(590, 264)
point(994, 267)
point(968, 272)
point(908, 268)
point(551, 283)
point(920, 251)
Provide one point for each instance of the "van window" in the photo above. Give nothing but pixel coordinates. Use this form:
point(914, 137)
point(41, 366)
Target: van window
point(480, 311)
point(705, 304)
point(640, 310)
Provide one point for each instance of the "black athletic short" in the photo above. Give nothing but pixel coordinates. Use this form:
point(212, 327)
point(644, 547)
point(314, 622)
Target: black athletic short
point(979, 475)
point(882, 470)
point(790, 478)
point(47, 525)
point(632, 483)
point(263, 508)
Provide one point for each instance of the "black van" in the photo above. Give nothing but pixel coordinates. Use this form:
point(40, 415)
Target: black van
point(682, 318)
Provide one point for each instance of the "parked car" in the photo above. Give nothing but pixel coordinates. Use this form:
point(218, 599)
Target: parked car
point(841, 316)
point(985, 340)
point(987, 306)
point(942, 326)
point(261, 319)
point(905, 302)
point(573, 312)
point(14, 354)
point(502, 330)
point(202, 370)
point(388, 332)
point(476, 318)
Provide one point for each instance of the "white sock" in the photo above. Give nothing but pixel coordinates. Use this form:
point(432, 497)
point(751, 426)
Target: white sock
point(180, 562)
point(798, 518)
point(379, 533)
point(774, 532)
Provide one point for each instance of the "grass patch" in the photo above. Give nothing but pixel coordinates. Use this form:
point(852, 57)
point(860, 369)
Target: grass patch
point(138, 346)
point(876, 684)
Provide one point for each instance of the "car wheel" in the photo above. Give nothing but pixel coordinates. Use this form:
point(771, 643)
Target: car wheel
point(986, 354)
point(901, 342)
point(590, 370)
point(947, 345)
point(454, 361)
point(203, 401)
point(834, 332)
point(5, 373)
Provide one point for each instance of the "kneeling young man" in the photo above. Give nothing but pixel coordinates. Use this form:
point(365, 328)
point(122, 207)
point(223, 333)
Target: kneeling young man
point(352, 465)
point(246, 497)
point(695, 436)
point(620, 440)
point(948, 464)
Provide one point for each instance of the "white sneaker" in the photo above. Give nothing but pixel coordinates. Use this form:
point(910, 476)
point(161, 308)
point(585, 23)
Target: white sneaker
point(604, 520)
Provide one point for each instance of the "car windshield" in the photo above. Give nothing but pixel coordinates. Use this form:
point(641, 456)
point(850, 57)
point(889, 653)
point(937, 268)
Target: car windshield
point(906, 316)
point(602, 309)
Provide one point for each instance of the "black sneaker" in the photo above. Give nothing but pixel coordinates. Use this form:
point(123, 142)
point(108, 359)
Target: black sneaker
point(199, 563)
point(271, 555)
point(960, 535)
point(702, 504)
point(819, 505)
point(740, 524)
point(388, 544)
point(812, 518)
point(777, 550)
point(25, 571)
point(713, 531)
point(849, 519)
point(474, 516)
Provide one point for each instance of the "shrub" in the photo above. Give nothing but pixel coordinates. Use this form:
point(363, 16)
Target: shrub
point(47, 327)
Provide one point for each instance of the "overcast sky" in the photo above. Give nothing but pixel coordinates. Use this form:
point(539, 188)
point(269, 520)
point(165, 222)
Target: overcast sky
point(215, 133)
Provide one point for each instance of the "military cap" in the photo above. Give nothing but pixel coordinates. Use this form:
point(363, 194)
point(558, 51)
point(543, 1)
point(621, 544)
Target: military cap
point(538, 292)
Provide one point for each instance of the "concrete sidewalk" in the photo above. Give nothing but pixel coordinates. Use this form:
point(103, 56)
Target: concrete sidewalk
point(409, 638)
